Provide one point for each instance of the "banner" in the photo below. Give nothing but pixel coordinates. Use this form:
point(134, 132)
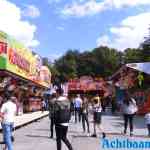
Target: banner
point(16, 58)
point(86, 83)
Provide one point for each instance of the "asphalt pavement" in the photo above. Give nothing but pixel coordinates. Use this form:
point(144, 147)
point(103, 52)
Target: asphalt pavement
point(35, 136)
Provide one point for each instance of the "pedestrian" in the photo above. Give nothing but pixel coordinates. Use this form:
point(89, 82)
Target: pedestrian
point(97, 109)
point(129, 110)
point(43, 105)
point(61, 119)
point(72, 108)
point(78, 105)
point(8, 112)
point(147, 120)
point(52, 100)
point(84, 111)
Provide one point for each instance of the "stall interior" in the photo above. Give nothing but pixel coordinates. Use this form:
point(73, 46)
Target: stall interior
point(88, 87)
point(29, 95)
point(137, 83)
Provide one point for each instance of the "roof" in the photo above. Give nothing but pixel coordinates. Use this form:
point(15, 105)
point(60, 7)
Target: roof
point(143, 67)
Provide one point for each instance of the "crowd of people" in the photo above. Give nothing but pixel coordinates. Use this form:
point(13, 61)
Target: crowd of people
point(82, 108)
point(60, 113)
point(62, 109)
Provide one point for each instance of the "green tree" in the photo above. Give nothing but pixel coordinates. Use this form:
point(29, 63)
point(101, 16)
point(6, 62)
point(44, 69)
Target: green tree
point(66, 65)
point(86, 64)
point(107, 59)
point(101, 61)
point(132, 55)
point(54, 72)
point(145, 48)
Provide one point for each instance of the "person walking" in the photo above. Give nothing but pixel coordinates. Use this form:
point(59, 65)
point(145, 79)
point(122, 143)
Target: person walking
point(129, 110)
point(8, 112)
point(147, 120)
point(78, 105)
point(84, 111)
point(52, 100)
point(72, 108)
point(43, 105)
point(97, 108)
point(61, 119)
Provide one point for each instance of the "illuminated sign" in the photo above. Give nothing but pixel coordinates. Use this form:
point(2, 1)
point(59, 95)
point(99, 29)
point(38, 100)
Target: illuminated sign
point(17, 59)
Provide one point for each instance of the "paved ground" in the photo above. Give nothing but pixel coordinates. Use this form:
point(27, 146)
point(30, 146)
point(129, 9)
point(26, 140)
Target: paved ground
point(36, 135)
point(28, 117)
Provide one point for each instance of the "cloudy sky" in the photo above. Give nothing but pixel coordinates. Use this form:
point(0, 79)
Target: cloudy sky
point(50, 27)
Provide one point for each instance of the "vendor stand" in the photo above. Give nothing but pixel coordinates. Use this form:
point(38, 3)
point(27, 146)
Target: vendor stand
point(86, 85)
point(22, 73)
point(134, 77)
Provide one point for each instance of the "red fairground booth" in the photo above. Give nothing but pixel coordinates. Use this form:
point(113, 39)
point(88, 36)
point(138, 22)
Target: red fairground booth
point(22, 73)
point(135, 77)
point(88, 85)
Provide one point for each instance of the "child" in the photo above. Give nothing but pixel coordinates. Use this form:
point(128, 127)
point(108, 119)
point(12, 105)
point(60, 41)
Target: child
point(147, 120)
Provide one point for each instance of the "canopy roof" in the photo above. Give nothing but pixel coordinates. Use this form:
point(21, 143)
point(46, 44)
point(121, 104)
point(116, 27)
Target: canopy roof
point(143, 67)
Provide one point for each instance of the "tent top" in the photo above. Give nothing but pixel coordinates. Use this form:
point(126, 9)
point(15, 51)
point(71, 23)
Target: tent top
point(143, 67)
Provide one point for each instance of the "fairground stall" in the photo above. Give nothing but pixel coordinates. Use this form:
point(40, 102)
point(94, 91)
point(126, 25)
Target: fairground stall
point(135, 78)
point(22, 73)
point(88, 85)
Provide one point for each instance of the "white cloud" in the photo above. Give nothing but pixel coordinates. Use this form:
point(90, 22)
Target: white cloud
point(61, 28)
point(92, 7)
point(103, 40)
point(80, 10)
point(12, 23)
point(129, 34)
point(81, 1)
point(31, 11)
point(53, 1)
point(129, 3)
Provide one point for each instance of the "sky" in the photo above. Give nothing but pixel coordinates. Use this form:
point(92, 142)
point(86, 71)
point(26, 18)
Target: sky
point(51, 27)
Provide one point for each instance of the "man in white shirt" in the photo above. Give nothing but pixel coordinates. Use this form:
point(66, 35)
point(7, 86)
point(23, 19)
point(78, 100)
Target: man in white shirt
point(8, 112)
point(78, 106)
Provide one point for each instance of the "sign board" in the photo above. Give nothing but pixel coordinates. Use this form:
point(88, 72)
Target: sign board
point(16, 58)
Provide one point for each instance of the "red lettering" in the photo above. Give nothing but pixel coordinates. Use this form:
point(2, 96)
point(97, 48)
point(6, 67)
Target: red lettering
point(3, 48)
point(18, 60)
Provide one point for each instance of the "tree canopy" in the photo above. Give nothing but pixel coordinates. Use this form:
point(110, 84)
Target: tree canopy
point(101, 61)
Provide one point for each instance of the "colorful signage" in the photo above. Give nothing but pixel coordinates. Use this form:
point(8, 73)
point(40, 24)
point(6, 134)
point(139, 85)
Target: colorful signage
point(16, 58)
point(86, 83)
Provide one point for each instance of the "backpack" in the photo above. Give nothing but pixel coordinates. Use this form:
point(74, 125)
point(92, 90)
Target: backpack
point(62, 112)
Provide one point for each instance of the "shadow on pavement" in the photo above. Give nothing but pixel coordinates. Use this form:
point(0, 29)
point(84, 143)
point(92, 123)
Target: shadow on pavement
point(71, 131)
point(139, 122)
point(122, 135)
point(118, 124)
point(42, 129)
point(80, 136)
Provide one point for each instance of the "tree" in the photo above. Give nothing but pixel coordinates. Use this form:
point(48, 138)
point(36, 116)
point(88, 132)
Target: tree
point(86, 64)
point(132, 55)
point(101, 61)
point(145, 48)
point(106, 59)
point(54, 72)
point(66, 65)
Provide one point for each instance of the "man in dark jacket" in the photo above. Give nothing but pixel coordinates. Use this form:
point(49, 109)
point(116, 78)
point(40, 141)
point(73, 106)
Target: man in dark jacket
point(52, 100)
point(61, 119)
